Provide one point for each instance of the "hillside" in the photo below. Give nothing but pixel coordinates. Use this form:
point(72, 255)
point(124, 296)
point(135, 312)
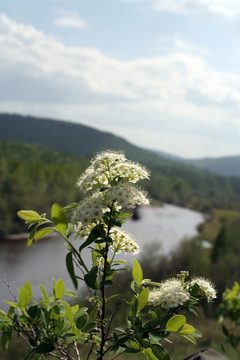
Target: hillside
point(226, 166)
point(68, 137)
point(171, 181)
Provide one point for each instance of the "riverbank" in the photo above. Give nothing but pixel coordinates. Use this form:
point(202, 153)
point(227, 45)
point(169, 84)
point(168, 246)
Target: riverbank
point(24, 236)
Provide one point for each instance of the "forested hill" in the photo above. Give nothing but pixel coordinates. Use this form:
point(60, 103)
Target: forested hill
point(68, 137)
point(34, 175)
point(226, 166)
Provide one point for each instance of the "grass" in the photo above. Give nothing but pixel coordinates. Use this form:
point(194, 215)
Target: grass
point(211, 228)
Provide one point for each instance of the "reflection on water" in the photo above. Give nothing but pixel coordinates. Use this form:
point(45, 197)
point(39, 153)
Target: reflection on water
point(46, 259)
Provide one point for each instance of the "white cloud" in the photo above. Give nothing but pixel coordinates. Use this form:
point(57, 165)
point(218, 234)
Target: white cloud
point(175, 42)
point(202, 8)
point(71, 21)
point(165, 92)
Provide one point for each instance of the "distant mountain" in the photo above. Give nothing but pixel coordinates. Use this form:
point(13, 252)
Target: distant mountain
point(172, 179)
point(226, 166)
point(165, 155)
point(68, 137)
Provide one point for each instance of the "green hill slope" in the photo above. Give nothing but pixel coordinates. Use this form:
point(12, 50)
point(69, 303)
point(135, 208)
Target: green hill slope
point(226, 166)
point(171, 181)
point(67, 137)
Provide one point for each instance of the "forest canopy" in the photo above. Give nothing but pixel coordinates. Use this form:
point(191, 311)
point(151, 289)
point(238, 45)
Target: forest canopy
point(34, 177)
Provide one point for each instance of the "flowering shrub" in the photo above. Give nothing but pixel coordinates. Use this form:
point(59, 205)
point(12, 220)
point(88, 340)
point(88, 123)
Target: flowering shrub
point(229, 318)
point(54, 328)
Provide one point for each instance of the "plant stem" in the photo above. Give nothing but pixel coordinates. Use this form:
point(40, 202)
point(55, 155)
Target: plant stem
point(90, 351)
point(76, 349)
point(103, 303)
point(102, 288)
point(75, 252)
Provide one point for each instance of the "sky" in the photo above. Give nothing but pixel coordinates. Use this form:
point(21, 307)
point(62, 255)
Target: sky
point(163, 74)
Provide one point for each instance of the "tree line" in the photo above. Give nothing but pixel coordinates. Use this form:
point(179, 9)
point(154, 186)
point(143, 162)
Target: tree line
point(34, 177)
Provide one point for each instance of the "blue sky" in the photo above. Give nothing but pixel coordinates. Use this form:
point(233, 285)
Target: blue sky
point(164, 74)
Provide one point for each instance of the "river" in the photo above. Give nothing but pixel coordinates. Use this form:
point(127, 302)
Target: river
point(166, 225)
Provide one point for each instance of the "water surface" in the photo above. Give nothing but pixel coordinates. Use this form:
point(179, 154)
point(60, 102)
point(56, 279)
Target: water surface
point(45, 259)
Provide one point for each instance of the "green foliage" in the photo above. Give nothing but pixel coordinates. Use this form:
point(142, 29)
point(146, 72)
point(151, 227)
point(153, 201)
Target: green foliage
point(32, 177)
point(53, 327)
point(137, 272)
point(49, 325)
point(229, 317)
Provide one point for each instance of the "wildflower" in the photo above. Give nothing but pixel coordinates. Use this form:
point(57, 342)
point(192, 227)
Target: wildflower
point(109, 168)
point(127, 195)
point(107, 158)
point(90, 209)
point(122, 242)
point(206, 286)
point(83, 230)
point(171, 294)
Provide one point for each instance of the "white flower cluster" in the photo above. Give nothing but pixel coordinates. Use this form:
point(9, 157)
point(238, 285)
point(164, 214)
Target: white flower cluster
point(90, 209)
point(206, 286)
point(126, 195)
point(122, 242)
point(107, 168)
point(113, 178)
point(170, 294)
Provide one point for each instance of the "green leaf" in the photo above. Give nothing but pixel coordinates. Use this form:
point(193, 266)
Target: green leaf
point(137, 272)
point(5, 341)
point(70, 206)
point(11, 311)
point(29, 215)
point(33, 311)
point(116, 262)
point(143, 298)
point(43, 232)
point(160, 352)
point(96, 233)
point(80, 312)
point(175, 323)
point(178, 324)
point(69, 293)
point(11, 304)
point(134, 345)
point(45, 348)
point(54, 312)
point(82, 320)
point(70, 269)
point(59, 218)
point(31, 236)
point(91, 278)
point(59, 289)
point(134, 307)
point(45, 295)
point(24, 298)
point(69, 230)
point(149, 354)
point(28, 288)
point(155, 336)
point(69, 312)
point(91, 325)
point(66, 325)
point(124, 215)
point(186, 330)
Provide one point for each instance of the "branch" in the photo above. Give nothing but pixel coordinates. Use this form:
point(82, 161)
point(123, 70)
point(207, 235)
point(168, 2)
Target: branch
point(90, 351)
point(56, 356)
point(117, 355)
point(76, 349)
point(112, 317)
point(9, 288)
